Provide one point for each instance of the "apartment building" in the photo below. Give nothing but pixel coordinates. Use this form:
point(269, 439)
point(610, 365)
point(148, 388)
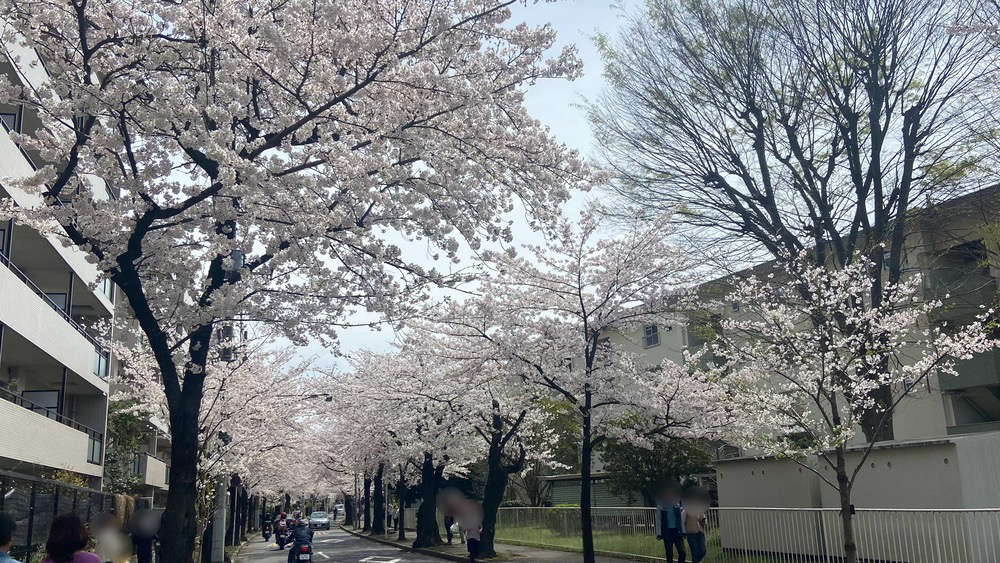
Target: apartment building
point(152, 465)
point(53, 368)
point(947, 430)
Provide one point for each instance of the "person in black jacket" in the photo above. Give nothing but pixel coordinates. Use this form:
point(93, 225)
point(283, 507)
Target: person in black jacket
point(298, 536)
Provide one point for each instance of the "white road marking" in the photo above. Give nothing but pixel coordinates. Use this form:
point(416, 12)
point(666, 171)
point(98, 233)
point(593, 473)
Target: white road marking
point(323, 554)
point(380, 559)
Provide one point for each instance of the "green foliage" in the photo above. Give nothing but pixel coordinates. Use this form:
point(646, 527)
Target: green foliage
point(68, 477)
point(563, 423)
point(635, 472)
point(126, 430)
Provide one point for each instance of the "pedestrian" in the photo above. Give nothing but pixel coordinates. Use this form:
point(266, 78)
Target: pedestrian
point(145, 526)
point(669, 522)
point(110, 544)
point(473, 535)
point(68, 540)
point(449, 525)
point(696, 503)
point(7, 528)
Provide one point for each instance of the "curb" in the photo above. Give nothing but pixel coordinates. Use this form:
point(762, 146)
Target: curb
point(420, 550)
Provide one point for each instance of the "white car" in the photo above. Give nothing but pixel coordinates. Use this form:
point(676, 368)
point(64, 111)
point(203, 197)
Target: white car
point(319, 521)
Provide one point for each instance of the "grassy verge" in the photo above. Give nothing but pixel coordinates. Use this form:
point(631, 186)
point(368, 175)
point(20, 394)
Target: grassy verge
point(613, 543)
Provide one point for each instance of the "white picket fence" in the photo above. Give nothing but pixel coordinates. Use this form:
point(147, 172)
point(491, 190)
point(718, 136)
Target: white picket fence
point(774, 534)
point(764, 535)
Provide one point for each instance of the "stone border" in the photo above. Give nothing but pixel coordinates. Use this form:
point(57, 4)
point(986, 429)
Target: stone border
point(420, 550)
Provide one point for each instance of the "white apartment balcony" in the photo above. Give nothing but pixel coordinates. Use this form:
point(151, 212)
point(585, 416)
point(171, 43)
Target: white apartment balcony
point(40, 318)
point(40, 437)
point(154, 471)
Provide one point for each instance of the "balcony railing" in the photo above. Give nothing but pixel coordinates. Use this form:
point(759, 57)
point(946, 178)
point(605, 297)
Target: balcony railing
point(95, 448)
point(99, 349)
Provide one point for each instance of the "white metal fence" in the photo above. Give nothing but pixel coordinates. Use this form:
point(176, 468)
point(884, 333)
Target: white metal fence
point(758, 535)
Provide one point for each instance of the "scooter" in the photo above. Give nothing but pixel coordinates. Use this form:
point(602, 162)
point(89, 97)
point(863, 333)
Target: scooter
point(281, 536)
point(305, 553)
point(265, 530)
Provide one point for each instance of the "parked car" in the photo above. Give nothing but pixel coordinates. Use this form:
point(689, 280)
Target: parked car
point(319, 521)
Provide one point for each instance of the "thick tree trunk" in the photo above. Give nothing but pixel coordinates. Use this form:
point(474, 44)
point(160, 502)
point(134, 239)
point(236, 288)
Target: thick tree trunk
point(586, 522)
point(428, 534)
point(497, 476)
point(367, 504)
point(378, 525)
point(348, 510)
point(846, 517)
point(179, 525)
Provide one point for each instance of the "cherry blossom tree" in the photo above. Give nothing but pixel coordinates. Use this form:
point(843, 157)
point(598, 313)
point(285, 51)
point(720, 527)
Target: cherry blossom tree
point(801, 365)
point(266, 161)
point(551, 318)
point(498, 410)
point(250, 409)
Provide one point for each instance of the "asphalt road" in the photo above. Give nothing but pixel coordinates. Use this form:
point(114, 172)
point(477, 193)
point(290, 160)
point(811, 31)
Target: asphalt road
point(336, 546)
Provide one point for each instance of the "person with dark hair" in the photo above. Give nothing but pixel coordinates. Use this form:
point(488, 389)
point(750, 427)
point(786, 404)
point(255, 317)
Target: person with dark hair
point(68, 538)
point(669, 523)
point(7, 527)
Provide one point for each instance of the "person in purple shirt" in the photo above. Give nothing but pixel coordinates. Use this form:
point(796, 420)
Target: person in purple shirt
point(68, 538)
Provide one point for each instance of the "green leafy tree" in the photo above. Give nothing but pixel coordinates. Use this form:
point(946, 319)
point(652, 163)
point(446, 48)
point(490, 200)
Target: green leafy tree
point(126, 429)
point(636, 472)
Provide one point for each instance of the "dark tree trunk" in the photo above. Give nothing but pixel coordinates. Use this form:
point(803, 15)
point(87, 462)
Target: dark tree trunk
point(348, 510)
point(179, 525)
point(497, 476)
point(428, 534)
point(401, 502)
point(367, 504)
point(288, 503)
point(586, 523)
point(378, 525)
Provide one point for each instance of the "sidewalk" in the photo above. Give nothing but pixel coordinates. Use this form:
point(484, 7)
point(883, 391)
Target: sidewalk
point(457, 551)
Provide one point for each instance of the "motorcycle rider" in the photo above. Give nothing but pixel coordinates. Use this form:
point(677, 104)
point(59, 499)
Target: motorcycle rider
point(280, 528)
point(299, 536)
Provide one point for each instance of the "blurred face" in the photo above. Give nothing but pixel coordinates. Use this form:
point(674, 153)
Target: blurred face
point(668, 495)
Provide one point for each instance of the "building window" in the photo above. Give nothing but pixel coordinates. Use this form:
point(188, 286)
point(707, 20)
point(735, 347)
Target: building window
point(136, 465)
point(9, 121)
point(650, 336)
point(100, 364)
point(94, 451)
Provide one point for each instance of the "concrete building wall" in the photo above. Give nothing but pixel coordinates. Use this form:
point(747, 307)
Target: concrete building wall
point(154, 472)
point(34, 438)
point(24, 312)
point(954, 472)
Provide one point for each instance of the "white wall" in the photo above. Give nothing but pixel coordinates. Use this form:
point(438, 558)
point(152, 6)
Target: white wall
point(154, 472)
point(955, 472)
point(24, 312)
point(40, 440)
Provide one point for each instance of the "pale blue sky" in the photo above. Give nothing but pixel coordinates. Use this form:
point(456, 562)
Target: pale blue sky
point(556, 103)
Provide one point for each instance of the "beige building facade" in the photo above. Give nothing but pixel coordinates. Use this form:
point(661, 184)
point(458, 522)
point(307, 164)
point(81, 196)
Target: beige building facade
point(54, 368)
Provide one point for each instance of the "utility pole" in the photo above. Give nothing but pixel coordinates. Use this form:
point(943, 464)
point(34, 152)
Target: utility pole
point(219, 521)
